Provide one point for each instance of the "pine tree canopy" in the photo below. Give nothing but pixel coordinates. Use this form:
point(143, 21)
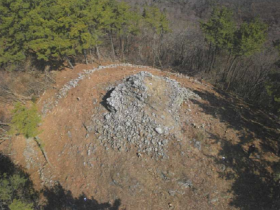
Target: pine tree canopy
point(52, 30)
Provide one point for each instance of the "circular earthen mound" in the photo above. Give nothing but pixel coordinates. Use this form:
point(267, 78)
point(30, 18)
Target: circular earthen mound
point(142, 112)
point(131, 137)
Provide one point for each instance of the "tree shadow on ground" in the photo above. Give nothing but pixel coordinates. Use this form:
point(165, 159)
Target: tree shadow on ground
point(56, 198)
point(253, 184)
point(249, 120)
point(61, 199)
point(54, 65)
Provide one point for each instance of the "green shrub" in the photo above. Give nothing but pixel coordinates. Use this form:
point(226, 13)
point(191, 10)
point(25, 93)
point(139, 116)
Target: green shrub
point(273, 90)
point(18, 205)
point(12, 188)
point(25, 120)
point(10, 184)
point(276, 172)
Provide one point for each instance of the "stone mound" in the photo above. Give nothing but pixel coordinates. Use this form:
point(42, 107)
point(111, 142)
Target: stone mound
point(142, 113)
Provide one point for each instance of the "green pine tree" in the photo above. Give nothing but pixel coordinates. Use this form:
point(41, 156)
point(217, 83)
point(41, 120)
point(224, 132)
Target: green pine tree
point(273, 84)
point(156, 20)
point(250, 38)
point(247, 40)
point(219, 32)
point(25, 120)
point(19, 205)
point(13, 28)
point(15, 192)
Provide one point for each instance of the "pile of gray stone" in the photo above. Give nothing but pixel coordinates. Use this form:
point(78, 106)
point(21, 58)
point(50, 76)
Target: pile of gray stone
point(75, 82)
point(63, 92)
point(142, 114)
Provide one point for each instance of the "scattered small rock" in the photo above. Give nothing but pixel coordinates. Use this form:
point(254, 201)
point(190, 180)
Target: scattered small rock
point(135, 116)
point(159, 130)
point(196, 144)
point(69, 134)
point(214, 200)
point(172, 192)
point(185, 184)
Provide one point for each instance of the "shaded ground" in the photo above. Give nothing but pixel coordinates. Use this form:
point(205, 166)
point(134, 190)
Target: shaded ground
point(59, 198)
point(196, 176)
point(54, 198)
point(253, 184)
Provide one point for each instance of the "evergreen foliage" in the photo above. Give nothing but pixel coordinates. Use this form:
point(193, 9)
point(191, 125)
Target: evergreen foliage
point(13, 192)
point(220, 28)
point(53, 30)
point(223, 33)
point(25, 120)
point(156, 20)
point(273, 84)
point(277, 45)
point(273, 89)
point(249, 38)
point(13, 29)
point(19, 205)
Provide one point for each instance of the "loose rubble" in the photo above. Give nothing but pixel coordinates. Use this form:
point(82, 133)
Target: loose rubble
point(142, 112)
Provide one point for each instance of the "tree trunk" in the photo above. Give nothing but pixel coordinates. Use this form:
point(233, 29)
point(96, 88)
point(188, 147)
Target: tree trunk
point(121, 47)
point(123, 57)
point(69, 62)
point(209, 53)
point(91, 56)
point(154, 50)
point(229, 70)
point(112, 46)
point(97, 52)
point(213, 59)
point(85, 55)
point(5, 124)
point(126, 46)
point(225, 71)
point(43, 151)
point(47, 75)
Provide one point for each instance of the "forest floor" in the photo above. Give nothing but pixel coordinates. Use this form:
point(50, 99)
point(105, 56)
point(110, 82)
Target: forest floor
point(208, 169)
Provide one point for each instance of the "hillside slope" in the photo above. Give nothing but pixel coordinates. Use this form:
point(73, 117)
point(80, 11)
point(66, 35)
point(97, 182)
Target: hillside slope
point(205, 163)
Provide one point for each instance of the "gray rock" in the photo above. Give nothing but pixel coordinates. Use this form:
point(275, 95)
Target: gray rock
point(136, 116)
point(69, 134)
point(159, 130)
point(107, 116)
point(165, 142)
point(94, 101)
point(197, 145)
point(185, 183)
point(172, 192)
point(214, 200)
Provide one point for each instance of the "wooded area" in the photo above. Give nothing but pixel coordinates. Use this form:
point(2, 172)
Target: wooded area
point(232, 44)
point(235, 45)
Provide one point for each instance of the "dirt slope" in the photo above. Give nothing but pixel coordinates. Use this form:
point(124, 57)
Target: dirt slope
point(208, 168)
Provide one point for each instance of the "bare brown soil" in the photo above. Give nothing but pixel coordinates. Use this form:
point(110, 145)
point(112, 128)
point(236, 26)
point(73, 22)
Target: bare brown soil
point(224, 125)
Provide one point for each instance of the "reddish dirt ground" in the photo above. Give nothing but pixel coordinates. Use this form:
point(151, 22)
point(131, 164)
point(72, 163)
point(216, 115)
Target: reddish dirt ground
point(225, 126)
